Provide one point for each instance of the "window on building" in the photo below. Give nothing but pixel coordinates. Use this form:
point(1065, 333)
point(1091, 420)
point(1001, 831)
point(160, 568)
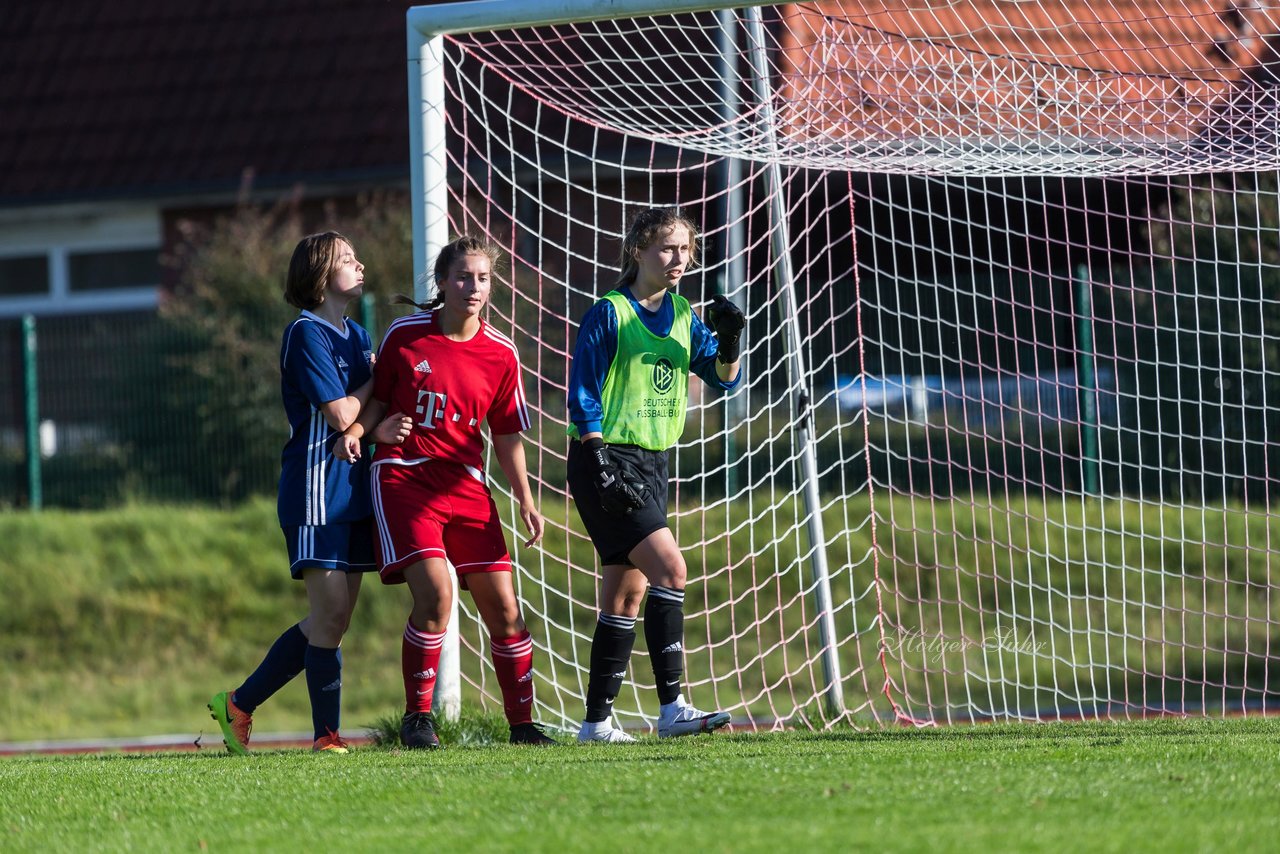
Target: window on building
point(100, 271)
point(25, 274)
point(80, 260)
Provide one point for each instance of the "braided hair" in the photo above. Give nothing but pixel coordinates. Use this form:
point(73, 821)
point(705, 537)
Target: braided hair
point(459, 247)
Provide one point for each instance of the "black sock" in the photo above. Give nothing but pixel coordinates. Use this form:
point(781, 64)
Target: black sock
point(664, 633)
point(610, 651)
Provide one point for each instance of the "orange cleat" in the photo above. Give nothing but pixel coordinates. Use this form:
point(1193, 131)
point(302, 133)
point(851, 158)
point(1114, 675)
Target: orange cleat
point(330, 743)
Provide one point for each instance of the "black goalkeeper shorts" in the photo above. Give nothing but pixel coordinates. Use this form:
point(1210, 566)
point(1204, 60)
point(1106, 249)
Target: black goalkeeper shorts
point(615, 536)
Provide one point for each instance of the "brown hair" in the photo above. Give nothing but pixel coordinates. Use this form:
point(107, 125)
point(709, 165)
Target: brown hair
point(645, 228)
point(459, 247)
point(313, 262)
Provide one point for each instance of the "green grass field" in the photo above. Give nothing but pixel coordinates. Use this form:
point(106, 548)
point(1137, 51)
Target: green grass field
point(1152, 786)
point(124, 622)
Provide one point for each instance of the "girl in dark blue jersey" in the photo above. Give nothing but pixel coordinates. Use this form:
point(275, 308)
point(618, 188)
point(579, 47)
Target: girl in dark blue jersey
point(628, 396)
point(323, 504)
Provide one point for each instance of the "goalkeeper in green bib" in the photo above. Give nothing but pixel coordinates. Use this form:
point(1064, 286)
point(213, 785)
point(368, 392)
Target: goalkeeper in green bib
point(628, 392)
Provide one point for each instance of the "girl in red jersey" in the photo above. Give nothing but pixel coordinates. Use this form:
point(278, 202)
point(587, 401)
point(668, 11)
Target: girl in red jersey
point(449, 371)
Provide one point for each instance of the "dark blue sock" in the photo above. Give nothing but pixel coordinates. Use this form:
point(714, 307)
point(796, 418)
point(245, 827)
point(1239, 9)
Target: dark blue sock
point(324, 684)
point(283, 661)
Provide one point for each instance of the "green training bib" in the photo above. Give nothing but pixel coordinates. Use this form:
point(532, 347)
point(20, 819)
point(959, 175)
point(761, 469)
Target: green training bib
point(646, 392)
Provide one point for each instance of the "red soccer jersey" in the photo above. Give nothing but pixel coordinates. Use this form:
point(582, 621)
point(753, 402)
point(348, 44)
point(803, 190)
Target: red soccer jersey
point(447, 387)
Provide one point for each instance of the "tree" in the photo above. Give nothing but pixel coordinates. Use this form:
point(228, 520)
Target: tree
point(202, 417)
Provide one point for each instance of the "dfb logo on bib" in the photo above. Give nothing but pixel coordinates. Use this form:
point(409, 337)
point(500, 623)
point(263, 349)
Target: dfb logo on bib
point(664, 375)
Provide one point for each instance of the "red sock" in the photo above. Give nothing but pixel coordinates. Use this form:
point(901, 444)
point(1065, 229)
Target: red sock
point(513, 662)
point(419, 660)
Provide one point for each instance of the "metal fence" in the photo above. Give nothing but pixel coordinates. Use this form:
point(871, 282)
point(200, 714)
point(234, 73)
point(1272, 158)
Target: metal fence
point(108, 429)
point(135, 407)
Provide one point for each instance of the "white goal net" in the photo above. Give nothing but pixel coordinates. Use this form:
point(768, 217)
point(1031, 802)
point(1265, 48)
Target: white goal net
point(1008, 445)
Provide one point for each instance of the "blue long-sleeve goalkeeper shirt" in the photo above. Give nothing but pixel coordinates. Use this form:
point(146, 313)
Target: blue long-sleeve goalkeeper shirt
point(597, 344)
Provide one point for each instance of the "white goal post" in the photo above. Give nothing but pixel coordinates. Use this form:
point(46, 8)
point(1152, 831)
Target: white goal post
point(1006, 444)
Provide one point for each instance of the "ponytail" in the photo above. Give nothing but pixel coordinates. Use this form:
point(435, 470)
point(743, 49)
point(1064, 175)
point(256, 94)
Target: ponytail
point(459, 247)
point(435, 302)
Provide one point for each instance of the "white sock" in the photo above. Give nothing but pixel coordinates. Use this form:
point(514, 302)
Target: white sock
point(669, 709)
point(597, 727)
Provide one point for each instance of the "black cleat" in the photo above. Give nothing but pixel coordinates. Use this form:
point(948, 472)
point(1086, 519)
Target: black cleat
point(418, 731)
point(531, 734)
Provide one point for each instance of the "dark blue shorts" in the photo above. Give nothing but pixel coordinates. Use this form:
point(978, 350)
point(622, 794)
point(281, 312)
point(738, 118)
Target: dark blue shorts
point(344, 546)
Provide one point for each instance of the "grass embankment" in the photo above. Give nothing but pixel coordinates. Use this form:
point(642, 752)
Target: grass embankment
point(123, 622)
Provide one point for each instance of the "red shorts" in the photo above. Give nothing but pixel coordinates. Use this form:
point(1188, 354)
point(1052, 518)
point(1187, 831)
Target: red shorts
point(435, 509)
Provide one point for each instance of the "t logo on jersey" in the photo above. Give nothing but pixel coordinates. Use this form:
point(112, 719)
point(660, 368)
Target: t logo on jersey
point(664, 375)
point(432, 409)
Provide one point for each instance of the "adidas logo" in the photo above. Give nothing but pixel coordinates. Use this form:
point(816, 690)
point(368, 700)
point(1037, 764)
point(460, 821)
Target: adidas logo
point(422, 367)
point(674, 647)
point(429, 673)
point(526, 678)
point(342, 363)
point(620, 675)
point(335, 685)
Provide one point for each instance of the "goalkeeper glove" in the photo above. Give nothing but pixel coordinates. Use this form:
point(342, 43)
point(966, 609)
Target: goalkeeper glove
point(619, 495)
point(727, 321)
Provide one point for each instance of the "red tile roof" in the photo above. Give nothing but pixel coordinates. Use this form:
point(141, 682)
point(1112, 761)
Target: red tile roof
point(885, 70)
point(143, 97)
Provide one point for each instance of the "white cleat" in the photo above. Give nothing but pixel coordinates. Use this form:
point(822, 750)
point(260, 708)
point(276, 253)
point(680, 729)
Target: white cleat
point(680, 718)
point(603, 732)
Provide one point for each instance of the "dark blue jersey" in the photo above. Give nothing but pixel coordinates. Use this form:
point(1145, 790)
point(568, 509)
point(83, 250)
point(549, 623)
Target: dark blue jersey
point(320, 363)
point(597, 344)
